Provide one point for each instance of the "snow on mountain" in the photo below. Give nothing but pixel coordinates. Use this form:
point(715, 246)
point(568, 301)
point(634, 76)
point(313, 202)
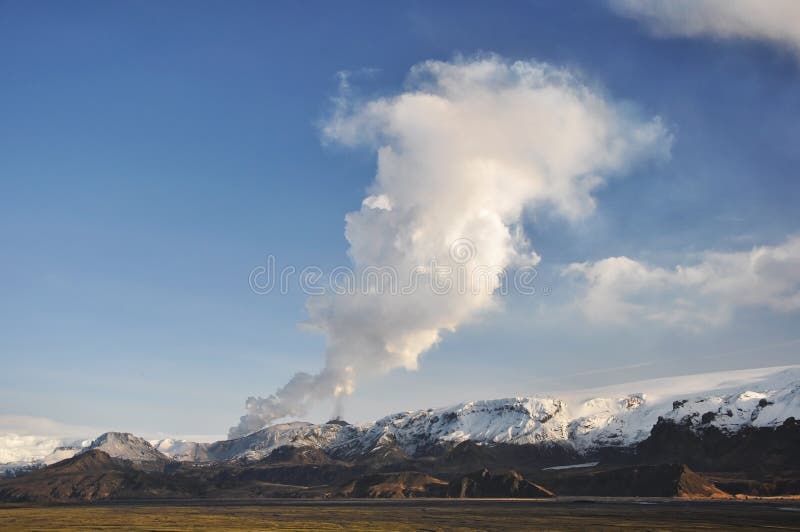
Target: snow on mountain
point(26, 442)
point(185, 451)
point(262, 443)
point(604, 422)
point(61, 453)
point(519, 420)
point(727, 404)
point(20, 453)
point(599, 422)
point(127, 447)
point(516, 420)
point(728, 401)
point(25, 448)
point(729, 412)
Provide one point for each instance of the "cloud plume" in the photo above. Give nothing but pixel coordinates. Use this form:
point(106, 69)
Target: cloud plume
point(462, 152)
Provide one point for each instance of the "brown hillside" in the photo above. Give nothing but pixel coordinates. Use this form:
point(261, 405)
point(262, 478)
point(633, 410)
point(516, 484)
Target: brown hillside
point(485, 484)
point(402, 485)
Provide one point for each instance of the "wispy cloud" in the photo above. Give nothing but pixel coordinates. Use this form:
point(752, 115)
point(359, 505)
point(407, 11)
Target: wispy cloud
point(774, 21)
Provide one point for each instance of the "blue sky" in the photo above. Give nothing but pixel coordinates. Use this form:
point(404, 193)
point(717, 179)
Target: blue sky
point(152, 154)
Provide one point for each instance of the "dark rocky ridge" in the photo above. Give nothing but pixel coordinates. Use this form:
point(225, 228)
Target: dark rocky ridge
point(665, 480)
point(94, 476)
point(755, 450)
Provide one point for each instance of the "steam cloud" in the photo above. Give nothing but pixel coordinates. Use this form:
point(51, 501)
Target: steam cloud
point(461, 153)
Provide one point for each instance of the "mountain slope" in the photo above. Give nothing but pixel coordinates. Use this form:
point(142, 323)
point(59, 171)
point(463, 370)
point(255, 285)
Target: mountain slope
point(125, 446)
point(403, 485)
point(659, 480)
point(91, 476)
point(485, 484)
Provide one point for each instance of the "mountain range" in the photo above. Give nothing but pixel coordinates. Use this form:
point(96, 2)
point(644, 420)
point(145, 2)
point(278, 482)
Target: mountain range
point(588, 426)
point(742, 434)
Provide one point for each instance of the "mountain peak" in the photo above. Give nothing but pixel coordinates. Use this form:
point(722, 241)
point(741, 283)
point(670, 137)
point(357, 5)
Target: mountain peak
point(127, 447)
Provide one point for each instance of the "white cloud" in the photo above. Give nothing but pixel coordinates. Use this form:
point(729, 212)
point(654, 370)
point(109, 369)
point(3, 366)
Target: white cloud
point(461, 153)
point(620, 290)
point(16, 448)
point(776, 21)
point(28, 438)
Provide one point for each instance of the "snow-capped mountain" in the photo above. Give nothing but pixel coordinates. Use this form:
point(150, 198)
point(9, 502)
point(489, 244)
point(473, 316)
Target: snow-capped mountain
point(584, 425)
point(126, 446)
point(62, 453)
point(729, 401)
point(326, 436)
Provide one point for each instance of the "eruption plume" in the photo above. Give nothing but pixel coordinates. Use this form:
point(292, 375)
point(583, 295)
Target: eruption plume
point(461, 153)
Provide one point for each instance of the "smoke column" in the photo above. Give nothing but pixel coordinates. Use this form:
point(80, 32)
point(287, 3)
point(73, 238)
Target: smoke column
point(462, 152)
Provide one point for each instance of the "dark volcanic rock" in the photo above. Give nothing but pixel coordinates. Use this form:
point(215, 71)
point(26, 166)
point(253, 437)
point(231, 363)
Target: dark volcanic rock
point(670, 480)
point(753, 449)
point(287, 454)
point(469, 456)
point(484, 484)
point(768, 486)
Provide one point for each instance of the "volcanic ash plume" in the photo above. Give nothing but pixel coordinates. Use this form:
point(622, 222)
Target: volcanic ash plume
point(461, 153)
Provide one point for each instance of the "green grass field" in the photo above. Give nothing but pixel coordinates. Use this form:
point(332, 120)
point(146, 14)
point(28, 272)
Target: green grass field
point(405, 515)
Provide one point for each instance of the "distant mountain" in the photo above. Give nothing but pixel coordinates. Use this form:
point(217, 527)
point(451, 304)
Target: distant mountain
point(753, 461)
point(93, 475)
point(126, 447)
point(585, 428)
point(117, 445)
point(659, 440)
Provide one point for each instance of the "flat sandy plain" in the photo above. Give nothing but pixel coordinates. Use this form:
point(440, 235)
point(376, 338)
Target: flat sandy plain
point(584, 514)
